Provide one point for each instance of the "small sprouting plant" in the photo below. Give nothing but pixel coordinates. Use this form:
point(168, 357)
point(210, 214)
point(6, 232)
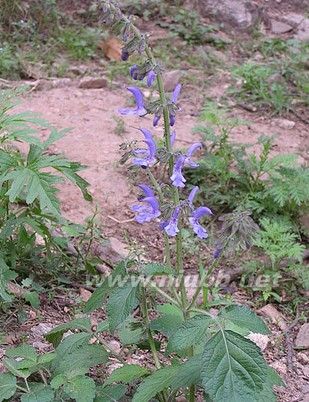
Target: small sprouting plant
point(283, 268)
point(231, 176)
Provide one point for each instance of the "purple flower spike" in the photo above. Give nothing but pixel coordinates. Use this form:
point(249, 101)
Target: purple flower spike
point(146, 157)
point(139, 110)
point(151, 76)
point(194, 220)
point(171, 228)
point(176, 93)
point(177, 177)
point(149, 209)
point(192, 195)
point(217, 252)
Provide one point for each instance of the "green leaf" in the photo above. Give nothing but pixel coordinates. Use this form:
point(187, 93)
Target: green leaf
point(7, 386)
point(110, 393)
point(170, 320)
point(81, 389)
point(233, 368)
point(23, 351)
point(155, 383)
point(153, 269)
point(99, 296)
point(131, 331)
point(244, 318)
point(5, 275)
point(39, 393)
point(56, 334)
point(127, 374)
point(188, 373)
point(76, 348)
point(190, 333)
point(122, 301)
point(13, 367)
point(33, 299)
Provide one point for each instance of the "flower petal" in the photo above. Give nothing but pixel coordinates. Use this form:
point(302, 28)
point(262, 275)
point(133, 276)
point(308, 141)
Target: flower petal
point(151, 76)
point(176, 93)
point(192, 194)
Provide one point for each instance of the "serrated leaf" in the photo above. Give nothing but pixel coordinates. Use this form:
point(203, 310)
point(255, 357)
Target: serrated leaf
point(127, 374)
point(110, 393)
point(76, 348)
point(24, 351)
point(190, 333)
point(99, 296)
point(244, 318)
point(58, 381)
point(33, 299)
point(233, 368)
point(155, 383)
point(170, 320)
point(10, 365)
point(130, 332)
point(55, 335)
point(7, 386)
point(153, 269)
point(81, 389)
point(39, 393)
point(188, 373)
point(122, 301)
point(5, 275)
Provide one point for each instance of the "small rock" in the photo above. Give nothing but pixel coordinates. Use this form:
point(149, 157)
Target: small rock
point(260, 340)
point(302, 339)
point(171, 79)
point(41, 329)
point(41, 346)
point(92, 83)
point(303, 358)
point(274, 315)
point(284, 123)
point(84, 294)
point(300, 23)
point(111, 251)
point(278, 27)
point(114, 345)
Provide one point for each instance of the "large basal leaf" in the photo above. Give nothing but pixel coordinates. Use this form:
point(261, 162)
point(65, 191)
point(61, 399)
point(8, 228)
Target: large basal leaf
point(39, 393)
point(245, 319)
point(155, 383)
point(127, 374)
point(81, 389)
point(7, 386)
point(76, 348)
point(173, 377)
point(56, 334)
point(110, 393)
point(170, 319)
point(191, 332)
point(122, 301)
point(233, 368)
point(23, 351)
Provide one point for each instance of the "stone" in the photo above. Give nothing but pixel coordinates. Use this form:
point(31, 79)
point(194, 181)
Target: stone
point(284, 123)
point(239, 14)
point(303, 358)
point(274, 315)
point(280, 367)
point(92, 83)
point(84, 294)
point(301, 25)
point(278, 27)
point(171, 79)
point(111, 251)
point(302, 339)
point(41, 329)
point(259, 339)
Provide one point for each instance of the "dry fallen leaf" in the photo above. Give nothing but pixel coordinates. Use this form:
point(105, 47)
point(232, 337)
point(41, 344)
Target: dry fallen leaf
point(111, 48)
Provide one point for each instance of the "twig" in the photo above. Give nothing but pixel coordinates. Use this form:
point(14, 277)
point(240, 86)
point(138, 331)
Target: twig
point(116, 220)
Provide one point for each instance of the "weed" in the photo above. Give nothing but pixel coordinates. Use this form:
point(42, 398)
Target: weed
point(81, 43)
point(231, 176)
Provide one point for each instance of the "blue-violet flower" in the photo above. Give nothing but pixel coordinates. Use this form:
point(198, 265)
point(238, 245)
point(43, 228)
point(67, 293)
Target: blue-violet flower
point(139, 110)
